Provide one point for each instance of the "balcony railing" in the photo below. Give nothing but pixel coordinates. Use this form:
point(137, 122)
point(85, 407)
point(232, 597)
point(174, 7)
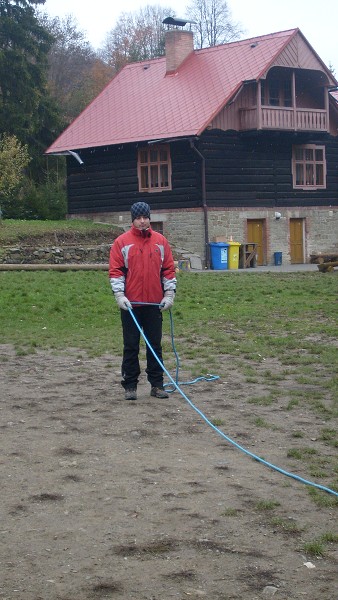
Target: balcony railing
point(273, 117)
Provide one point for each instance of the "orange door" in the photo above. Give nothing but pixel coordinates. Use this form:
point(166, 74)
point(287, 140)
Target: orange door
point(255, 235)
point(297, 241)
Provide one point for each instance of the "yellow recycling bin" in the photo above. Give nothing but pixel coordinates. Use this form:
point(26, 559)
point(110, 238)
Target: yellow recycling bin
point(233, 255)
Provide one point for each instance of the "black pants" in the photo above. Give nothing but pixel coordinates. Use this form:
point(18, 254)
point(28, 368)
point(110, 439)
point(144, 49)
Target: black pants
point(149, 319)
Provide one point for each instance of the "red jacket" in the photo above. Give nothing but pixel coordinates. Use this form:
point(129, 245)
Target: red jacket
point(141, 265)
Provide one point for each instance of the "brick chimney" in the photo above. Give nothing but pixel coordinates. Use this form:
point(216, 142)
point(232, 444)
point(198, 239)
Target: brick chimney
point(179, 43)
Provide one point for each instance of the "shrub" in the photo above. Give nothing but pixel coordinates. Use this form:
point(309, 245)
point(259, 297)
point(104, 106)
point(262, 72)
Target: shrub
point(46, 201)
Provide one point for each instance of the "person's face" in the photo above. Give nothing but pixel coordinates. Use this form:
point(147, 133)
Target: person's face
point(141, 222)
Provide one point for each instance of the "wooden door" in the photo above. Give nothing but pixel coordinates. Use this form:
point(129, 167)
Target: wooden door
point(255, 228)
point(297, 241)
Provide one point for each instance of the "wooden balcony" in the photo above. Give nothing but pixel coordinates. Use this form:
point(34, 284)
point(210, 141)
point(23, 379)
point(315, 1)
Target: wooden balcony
point(274, 117)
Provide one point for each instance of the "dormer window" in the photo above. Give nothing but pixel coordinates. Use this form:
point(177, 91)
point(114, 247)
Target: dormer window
point(309, 167)
point(154, 168)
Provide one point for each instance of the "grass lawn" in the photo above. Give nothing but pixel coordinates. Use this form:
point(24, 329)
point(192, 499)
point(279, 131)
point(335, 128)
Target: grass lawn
point(291, 316)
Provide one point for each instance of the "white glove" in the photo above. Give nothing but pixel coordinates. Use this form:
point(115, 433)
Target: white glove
point(168, 300)
point(122, 301)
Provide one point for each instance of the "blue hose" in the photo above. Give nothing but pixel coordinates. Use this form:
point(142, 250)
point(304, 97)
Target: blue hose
point(168, 386)
point(228, 439)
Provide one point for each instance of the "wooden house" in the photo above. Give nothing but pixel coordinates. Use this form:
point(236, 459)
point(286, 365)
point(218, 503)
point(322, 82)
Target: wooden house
point(234, 141)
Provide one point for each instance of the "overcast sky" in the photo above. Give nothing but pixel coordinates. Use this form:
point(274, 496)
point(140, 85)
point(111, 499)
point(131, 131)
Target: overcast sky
point(318, 20)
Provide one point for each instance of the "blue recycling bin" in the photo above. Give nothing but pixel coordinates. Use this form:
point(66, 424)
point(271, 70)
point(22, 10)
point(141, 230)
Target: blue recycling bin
point(219, 255)
point(278, 257)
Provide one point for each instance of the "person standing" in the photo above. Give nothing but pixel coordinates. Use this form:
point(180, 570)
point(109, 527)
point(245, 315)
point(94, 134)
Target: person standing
point(143, 278)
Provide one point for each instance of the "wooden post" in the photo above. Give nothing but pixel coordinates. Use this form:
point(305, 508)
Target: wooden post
point(294, 100)
point(326, 101)
point(259, 105)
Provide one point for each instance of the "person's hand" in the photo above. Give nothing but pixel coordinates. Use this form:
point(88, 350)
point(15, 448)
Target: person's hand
point(122, 301)
point(168, 300)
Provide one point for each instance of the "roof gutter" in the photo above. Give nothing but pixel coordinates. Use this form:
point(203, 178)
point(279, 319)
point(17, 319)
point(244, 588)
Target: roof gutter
point(66, 153)
point(205, 206)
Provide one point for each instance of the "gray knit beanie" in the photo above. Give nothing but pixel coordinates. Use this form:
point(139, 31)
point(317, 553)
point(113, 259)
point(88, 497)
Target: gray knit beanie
point(140, 209)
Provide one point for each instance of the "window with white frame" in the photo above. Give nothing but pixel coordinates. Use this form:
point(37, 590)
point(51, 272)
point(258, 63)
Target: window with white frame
point(154, 168)
point(308, 166)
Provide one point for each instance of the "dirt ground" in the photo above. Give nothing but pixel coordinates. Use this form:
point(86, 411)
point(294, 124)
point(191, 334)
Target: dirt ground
point(103, 498)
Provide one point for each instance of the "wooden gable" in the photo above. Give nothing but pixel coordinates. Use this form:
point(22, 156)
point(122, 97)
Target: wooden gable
point(298, 54)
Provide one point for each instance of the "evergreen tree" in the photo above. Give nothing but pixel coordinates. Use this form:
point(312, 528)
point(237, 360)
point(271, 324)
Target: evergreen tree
point(26, 110)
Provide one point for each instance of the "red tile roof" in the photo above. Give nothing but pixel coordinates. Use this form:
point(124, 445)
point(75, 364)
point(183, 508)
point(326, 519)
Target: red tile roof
point(143, 103)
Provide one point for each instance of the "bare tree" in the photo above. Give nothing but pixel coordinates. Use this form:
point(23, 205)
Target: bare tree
point(332, 69)
point(213, 23)
point(76, 74)
point(136, 36)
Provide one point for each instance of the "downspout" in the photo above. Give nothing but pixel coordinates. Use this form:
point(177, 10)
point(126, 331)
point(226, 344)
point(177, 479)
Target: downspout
point(205, 206)
point(76, 156)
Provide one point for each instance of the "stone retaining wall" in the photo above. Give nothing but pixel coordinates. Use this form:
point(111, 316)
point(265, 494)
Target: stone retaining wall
point(54, 254)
